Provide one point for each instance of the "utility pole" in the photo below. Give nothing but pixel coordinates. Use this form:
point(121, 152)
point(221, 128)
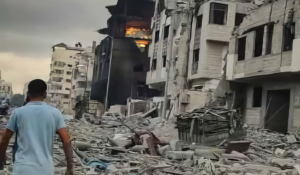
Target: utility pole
point(109, 70)
point(169, 59)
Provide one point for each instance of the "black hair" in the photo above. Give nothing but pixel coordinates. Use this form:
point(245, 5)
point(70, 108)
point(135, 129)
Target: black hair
point(37, 88)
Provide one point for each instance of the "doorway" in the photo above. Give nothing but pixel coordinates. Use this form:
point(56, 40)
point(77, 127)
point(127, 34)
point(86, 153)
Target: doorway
point(277, 110)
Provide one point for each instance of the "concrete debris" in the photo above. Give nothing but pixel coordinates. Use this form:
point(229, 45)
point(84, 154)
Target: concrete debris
point(127, 145)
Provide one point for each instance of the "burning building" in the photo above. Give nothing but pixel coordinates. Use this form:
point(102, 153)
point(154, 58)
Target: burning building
point(121, 59)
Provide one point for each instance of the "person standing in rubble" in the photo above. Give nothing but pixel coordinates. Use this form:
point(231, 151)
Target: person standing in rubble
point(35, 126)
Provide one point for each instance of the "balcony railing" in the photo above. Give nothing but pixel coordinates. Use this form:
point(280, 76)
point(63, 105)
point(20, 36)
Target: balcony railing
point(195, 68)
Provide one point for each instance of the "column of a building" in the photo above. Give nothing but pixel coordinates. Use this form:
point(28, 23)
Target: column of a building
point(295, 63)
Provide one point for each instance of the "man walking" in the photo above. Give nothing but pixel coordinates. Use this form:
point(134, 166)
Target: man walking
point(35, 126)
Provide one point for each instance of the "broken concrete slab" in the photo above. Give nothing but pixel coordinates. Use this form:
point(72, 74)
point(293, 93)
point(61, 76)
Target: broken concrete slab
point(176, 145)
point(179, 155)
point(236, 155)
point(291, 139)
point(283, 163)
point(163, 150)
point(297, 167)
point(82, 146)
point(280, 152)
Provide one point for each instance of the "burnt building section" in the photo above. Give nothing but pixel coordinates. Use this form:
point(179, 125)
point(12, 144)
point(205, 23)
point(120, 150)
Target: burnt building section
point(121, 61)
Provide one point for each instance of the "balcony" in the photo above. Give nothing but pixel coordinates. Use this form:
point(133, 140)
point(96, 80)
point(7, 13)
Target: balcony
point(57, 75)
point(81, 79)
point(263, 65)
point(63, 92)
point(56, 83)
point(156, 76)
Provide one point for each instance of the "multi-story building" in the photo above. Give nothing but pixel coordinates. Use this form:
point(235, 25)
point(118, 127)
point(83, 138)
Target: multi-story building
point(192, 39)
point(63, 64)
point(83, 76)
point(264, 56)
point(5, 89)
point(121, 59)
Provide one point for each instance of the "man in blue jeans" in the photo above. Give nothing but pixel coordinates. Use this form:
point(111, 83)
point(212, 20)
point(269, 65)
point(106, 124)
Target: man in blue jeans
point(36, 125)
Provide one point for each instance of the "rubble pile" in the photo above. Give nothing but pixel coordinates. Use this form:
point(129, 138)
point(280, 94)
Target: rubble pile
point(132, 145)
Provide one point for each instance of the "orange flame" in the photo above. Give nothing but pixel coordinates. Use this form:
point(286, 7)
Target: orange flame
point(133, 31)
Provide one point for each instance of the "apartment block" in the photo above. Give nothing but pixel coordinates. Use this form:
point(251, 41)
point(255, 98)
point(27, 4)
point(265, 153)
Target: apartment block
point(192, 39)
point(264, 57)
point(63, 64)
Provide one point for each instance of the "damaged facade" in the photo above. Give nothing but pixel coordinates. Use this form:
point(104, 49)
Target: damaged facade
point(263, 55)
point(192, 39)
point(121, 60)
point(70, 76)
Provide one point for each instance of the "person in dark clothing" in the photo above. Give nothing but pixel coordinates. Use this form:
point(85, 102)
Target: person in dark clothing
point(27, 100)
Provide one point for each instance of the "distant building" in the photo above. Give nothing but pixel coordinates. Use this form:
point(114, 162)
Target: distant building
point(25, 90)
point(122, 57)
point(82, 76)
point(63, 64)
point(5, 89)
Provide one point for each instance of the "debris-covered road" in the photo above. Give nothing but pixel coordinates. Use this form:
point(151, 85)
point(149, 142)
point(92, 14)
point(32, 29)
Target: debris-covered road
point(139, 145)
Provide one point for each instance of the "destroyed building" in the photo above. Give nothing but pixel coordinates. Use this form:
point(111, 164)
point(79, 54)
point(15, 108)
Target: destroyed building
point(192, 39)
point(121, 59)
point(263, 55)
point(5, 89)
point(70, 76)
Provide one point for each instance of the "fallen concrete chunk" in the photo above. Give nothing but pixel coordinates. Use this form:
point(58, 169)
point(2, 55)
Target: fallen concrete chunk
point(209, 152)
point(179, 155)
point(280, 152)
point(236, 155)
point(297, 167)
point(163, 150)
point(176, 145)
point(82, 146)
point(297, 154)
point(291, 139)
point(283, 163)
point(138, 148)
point(122, 139)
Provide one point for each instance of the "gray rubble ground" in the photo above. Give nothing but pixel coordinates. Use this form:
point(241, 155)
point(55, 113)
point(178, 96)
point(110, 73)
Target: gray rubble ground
point(270, 153)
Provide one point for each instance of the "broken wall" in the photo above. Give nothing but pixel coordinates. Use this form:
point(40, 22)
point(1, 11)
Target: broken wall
point(256, 115)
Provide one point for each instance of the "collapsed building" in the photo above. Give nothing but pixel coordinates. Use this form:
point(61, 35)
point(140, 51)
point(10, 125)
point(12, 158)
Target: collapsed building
point(121, 60)
point(263, 56)
point(70, 76)
point(189, 45)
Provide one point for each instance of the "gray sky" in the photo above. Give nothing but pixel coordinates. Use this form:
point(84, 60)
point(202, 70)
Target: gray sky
point(29, 28)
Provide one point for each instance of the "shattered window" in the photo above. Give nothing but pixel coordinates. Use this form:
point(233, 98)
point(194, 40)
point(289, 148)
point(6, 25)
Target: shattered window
point(239, 17)
point(154, 61)
point(257, 96)
point(199, 21)
point(218, 13)
point(166, 32)
point(157, 36)
point(270, 38)
point(259, 37)
point(289, 36)
point(241, 48)
point(196, 56)
point(164, 61)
